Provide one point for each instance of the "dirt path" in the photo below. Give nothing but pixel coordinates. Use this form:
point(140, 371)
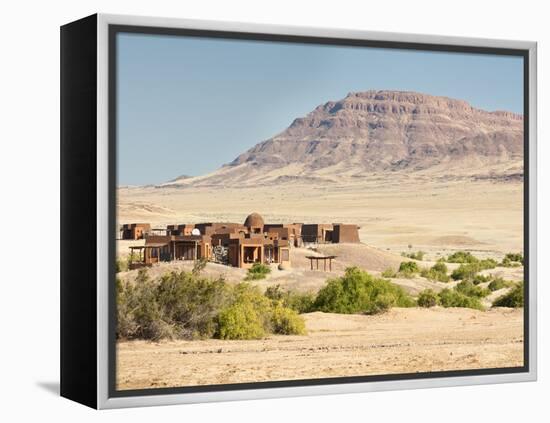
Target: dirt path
point(400, 341)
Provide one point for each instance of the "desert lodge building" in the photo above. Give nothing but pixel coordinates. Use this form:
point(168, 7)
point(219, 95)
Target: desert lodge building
point(233, 244)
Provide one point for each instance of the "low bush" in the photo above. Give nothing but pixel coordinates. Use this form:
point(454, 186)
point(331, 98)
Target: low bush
point(192, 303)
point(286, 321)
point(125, 300)
point(121, 265)
point(440, 267)
point(297, 301)
point(185, 305)
point(408, 269)
point(517, 257)
point(498, 283)
point(253, 315)
point(428, 298)
point(257, 271)
point(514, 298)
point(419, 255)
point(465, 271)
point(507, 263)
point(452, 298)
point(512, 260)
point(245, 292)
point(359, 292)
point(465, 294)
point(469, 270)
point(438, 272)
point(462, 257)
point(389, 273)
point(408, 266)
point(199, 266)
point(481, 279)
point(300, 302)
point(465, 257)
point(488, 263)
point(471, 290)
point(138, 311)
point(240, 321)
point(275, 293)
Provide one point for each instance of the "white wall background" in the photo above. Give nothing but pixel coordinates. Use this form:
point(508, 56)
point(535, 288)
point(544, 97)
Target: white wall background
point(29, 195)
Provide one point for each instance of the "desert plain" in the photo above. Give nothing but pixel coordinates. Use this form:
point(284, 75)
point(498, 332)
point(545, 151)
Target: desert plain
point(396, 212)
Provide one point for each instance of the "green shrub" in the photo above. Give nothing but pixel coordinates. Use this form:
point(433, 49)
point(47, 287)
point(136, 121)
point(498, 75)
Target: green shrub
point(440, 267)
point(257, 271)
point(297, 301)
point(408, 266)
point(240, 321)
point(498, 283)
point(138, 312)
point(471, 290)
point(254, 276)
point(512, 260)
point(408, 269)
point(419, 255)
point(488, 263)
point(275, 293)
point(244, 292)
point(185, 305)
point(121, 265)
point(253, 315)
point(514, 298)
point(248, 316)
point(452, 298)
point(300, 302)
point(438, 272)
point(481, 279)
point(359, 292)
point(286, 321)
point(404, 300)
point(517, 257)
point(192, 303)
point(465, 271)
point(178, 305)
point(508, 263)
point(389, 273)
point(428, 298)
point(467, 258)
point(462, 257)
point(199, 266)
point(125, 300)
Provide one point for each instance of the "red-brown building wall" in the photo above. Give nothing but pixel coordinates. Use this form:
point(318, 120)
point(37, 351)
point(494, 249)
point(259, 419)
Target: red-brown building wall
point(345, 233)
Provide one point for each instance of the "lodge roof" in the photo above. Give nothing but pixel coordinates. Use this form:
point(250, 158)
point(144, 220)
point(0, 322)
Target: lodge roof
point(254, 220)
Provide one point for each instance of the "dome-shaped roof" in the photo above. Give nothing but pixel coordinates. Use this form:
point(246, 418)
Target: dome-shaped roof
point(254, 220)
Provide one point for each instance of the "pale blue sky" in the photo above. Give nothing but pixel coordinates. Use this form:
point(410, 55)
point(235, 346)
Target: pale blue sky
point(188, 105)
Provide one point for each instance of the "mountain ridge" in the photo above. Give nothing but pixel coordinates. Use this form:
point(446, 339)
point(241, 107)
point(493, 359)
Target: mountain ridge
point(380, 131)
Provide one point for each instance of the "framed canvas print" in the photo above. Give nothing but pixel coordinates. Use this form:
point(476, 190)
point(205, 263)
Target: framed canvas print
point(253, 211)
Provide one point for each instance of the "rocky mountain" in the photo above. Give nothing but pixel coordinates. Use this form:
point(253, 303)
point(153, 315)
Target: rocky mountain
point(381, 131)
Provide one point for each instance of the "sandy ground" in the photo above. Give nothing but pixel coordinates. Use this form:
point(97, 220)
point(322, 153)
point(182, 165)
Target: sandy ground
point(400, 341)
